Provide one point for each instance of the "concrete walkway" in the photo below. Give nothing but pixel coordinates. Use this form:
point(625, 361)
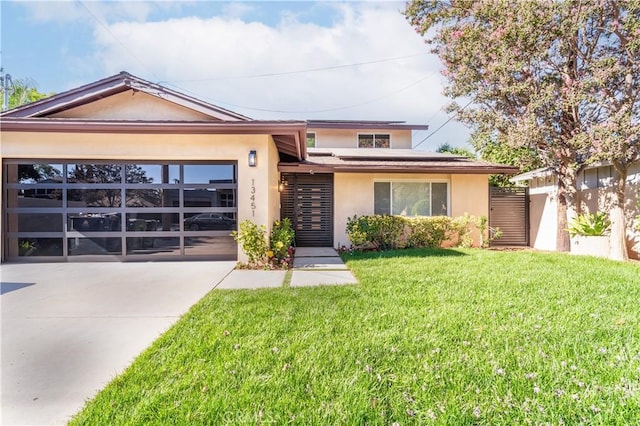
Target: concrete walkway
point(312, 266)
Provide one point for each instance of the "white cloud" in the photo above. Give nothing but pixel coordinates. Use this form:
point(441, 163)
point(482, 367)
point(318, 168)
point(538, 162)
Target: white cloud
point(220, 53)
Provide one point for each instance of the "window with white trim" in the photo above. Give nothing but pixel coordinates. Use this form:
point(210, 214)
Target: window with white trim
point(378, 140)
point(311, 140)
point(411, 198)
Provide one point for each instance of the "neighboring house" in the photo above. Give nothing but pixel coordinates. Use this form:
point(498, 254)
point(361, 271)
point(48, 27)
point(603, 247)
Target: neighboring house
point(595, 191)
point(122, 168)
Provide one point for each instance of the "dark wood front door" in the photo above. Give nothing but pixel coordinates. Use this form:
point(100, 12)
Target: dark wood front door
point(308, 201)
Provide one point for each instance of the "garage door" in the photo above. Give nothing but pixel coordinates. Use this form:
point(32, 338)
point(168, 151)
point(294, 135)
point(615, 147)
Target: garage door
point(88, 210)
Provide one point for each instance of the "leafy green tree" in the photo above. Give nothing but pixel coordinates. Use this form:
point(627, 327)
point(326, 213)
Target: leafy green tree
point(22, 91)
point(539, 76)
point(492, 149)
point(455, 150)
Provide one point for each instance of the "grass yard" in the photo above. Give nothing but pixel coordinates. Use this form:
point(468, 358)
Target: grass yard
point(428, 337)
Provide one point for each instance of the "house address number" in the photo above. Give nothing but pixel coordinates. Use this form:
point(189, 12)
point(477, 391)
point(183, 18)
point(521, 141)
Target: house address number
point(253, 198)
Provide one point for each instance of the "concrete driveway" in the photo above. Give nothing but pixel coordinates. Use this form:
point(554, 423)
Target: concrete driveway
point(69, 328)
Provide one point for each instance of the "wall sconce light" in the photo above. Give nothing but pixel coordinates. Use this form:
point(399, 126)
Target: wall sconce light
point(281, 185)
point(253, 158)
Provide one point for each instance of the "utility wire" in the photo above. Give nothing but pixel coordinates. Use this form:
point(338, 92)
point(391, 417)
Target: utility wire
point(441, 126)
point(124, 46)
point(395, 92)
point(273, 74)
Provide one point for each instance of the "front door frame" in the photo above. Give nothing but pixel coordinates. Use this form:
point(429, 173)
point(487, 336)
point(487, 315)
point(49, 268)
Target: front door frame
point(309, 232)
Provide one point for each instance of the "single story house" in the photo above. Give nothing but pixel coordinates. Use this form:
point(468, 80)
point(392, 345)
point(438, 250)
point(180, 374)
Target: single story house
point(125, 169)
point(595, 191)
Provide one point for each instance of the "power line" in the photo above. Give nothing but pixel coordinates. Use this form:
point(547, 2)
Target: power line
point(441, 126)
point(393, 93)
point(273, 74)
point(103, 25)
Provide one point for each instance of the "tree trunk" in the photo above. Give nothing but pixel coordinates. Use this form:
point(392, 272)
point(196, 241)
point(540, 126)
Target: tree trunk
point(563, 243)
point(618, 238)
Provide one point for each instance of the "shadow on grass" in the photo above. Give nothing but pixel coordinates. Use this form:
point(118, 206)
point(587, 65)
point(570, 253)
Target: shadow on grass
point(425, 252)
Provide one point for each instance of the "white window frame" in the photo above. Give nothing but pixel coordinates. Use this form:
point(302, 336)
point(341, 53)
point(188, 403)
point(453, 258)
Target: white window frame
point(315, 139)
point(374, 139)
point(392, 181)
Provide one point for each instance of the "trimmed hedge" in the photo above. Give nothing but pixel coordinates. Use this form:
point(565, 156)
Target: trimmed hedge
point(386, 232)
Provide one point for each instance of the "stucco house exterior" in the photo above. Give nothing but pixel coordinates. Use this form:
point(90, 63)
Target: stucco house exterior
point(595, 191)
point(125, 169)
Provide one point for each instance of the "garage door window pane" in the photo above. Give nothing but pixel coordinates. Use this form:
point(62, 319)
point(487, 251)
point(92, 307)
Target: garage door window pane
point(29, 247)
point(34, 198)
point(155, 246)
point(209, 222)
point(94, 173)
point(209, 173)
point(94, 197)
point(146, 222)
point(34, 222)
point(94, 222)
point(215, 247)
point(152, 198)
point(152, 173)
point(210, 197)
point(36, 173)
point(94, 246)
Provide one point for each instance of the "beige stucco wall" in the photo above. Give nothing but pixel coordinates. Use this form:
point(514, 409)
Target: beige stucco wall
point(348, 138)
point(132, 105)
point(260, 181)
point(353, 194)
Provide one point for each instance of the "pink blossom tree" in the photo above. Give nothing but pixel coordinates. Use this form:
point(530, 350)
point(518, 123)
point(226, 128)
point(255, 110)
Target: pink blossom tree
point(547, 77)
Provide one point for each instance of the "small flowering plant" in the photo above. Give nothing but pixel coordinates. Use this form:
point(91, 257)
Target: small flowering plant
point(276, 253)
point(281, 244)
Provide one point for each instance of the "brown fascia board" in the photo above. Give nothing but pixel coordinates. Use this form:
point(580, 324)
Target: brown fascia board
point(461, 169)
point(291, 129)
point(105, 87)
point(120, 82)
point(346, 124)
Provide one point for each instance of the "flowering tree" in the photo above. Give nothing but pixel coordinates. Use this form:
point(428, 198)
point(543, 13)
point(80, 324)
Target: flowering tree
point(537, 75)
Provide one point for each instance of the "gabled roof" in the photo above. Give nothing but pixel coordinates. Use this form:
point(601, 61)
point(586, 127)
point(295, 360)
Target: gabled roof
point(115, 84)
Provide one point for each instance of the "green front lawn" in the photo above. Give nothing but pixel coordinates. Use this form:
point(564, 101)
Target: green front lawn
point(429, 336)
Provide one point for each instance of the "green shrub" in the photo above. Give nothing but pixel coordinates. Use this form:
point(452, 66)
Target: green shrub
point(594, 224)
point(386, 232)
point(382, 232)
point(428, 232)
point(252, 239)
point(281, 241)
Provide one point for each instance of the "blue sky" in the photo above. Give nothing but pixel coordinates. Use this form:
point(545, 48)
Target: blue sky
point(267, 60)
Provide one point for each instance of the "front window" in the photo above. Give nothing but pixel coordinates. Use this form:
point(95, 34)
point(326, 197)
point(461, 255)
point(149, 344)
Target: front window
point(411, 198)
point(379, 140)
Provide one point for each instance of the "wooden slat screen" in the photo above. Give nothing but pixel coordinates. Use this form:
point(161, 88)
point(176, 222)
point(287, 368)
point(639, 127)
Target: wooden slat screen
point(308, 201)
point(509, 211)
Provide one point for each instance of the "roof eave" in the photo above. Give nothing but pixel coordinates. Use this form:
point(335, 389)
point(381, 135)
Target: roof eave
point(289, 136)
point(366, 125)
point(324, 168)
